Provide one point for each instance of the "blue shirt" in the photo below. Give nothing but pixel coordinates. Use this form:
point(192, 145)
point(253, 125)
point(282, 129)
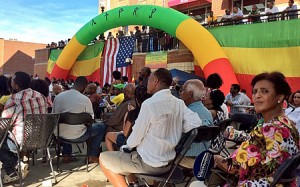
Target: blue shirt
point(207, 120)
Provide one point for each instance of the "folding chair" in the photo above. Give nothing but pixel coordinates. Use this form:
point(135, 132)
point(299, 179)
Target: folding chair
point(74, 119)
point(4, 128)
point(38, 131)
point(287, 171)
point(174, 175)
point(205, 133)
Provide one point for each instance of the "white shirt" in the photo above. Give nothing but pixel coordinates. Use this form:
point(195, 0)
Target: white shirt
point(294, 115)
point(162, 120)
point(273, 10)
point(75, 102)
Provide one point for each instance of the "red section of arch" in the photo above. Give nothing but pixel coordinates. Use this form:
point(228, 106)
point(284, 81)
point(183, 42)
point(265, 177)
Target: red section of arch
point(223, 67)
point(58, 72)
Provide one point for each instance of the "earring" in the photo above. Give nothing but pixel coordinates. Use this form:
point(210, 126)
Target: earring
point(278, 101)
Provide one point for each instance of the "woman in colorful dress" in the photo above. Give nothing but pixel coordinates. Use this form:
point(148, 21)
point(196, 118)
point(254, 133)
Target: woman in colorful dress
point(273, 140)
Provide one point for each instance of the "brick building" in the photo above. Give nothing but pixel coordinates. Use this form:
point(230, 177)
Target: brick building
point(18, 56)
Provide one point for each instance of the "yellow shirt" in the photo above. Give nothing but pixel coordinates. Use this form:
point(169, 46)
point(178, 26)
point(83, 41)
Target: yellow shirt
point(118, 99)
point(4, 98)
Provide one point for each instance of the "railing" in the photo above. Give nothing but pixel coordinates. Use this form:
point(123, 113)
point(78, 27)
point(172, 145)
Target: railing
point(262, 18)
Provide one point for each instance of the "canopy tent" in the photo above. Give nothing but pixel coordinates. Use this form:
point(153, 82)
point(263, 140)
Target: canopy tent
point(184, 76)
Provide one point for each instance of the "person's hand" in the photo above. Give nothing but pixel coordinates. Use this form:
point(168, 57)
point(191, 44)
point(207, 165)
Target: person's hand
point(130, 107)
point(125, 148)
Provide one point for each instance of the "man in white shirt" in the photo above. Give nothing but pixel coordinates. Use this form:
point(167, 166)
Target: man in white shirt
point(161, 121)
point(75, 102)
point(271, 10)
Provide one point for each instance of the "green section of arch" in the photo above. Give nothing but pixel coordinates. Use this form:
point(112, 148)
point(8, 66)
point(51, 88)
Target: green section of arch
point(166, 19)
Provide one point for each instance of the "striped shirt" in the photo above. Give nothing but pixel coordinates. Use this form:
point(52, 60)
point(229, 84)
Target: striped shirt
point(24, 102)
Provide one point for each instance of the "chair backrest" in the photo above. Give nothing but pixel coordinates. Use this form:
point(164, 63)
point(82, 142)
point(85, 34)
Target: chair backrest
point(76, 118)
point(4, 128)
point(247, 120)
point(38, 130)
point(286, 173)
point(207, 133)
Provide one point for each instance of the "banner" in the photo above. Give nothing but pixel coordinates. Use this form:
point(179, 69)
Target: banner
point(155, 60)
point(87, 64)
point(262, 47)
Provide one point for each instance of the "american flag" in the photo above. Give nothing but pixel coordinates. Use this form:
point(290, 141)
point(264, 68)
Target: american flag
point(115, 53)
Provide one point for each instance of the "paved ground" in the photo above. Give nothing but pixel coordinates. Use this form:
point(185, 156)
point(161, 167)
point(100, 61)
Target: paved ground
point(40, 174)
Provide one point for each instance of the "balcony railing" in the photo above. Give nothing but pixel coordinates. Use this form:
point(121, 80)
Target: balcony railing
point(262, 18)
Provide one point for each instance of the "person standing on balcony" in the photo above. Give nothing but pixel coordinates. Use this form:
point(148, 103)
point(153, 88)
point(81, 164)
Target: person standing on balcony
point(144, 39)
point(254, 15)
point(291, 10)
point(226, 17)
point(237, 15)
point(271, 10)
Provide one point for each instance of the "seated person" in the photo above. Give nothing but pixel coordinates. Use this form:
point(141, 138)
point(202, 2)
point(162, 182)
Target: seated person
point(271, 142)
point(293, 111)
point(75, 102)
point(254, 15)
point(119, 138)
point(213, 102)
point(5, 93)
point(91, 91)
point(56, 89)
point(23, 101)
point(116, 120)
point(192, 94)
point(157, 130)
point(119, 95)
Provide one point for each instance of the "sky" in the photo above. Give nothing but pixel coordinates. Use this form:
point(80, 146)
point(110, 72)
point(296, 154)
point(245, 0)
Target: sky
point(42, 21)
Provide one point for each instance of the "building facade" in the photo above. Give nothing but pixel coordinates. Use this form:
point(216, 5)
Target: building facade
point(18, 56)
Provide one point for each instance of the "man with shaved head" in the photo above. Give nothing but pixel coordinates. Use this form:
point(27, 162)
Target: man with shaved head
point(91, 91)
point(192, 93)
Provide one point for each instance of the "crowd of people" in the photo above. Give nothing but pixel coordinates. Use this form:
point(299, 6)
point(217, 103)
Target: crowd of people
point(271, 13)
point(145, 121)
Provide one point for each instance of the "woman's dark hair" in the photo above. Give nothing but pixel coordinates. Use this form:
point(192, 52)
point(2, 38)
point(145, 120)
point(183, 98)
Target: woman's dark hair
point(164, 76)
point(280, 84)
point(292, 97)
point(125, 78)
point(214, 81)
point(22, 79)
point(141, 95)
point(217, 97)
point(41, 86)
point(116, 75)
point(4, 86)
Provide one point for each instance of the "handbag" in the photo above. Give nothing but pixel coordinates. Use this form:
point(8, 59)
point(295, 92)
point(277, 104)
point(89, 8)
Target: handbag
point(219, 177)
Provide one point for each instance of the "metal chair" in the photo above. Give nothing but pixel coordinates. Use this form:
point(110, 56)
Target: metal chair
point(205, 133)
point(38, 133)
point(287, 171)
point(175, 174)
point(4, 128)
point(74, 119)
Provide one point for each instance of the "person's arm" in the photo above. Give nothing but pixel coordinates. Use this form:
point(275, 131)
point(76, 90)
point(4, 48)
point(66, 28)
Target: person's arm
point(141, 126)
point(213, 113)
point(191, 120)
point(1, 108)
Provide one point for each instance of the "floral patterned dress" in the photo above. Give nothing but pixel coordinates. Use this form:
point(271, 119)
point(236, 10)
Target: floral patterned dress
point(269, 144)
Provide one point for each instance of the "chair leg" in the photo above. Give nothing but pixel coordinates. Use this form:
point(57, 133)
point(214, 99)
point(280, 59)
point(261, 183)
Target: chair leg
point(19, 166)
point(57, 157)
point(51, 166)
point(79, 149)
point(1, 183)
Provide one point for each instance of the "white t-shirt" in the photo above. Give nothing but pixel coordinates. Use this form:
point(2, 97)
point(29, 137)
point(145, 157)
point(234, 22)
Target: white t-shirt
point(273, 10)
point(75, 102)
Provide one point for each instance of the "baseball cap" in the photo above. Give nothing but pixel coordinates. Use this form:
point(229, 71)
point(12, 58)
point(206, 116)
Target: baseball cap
point(119, 86)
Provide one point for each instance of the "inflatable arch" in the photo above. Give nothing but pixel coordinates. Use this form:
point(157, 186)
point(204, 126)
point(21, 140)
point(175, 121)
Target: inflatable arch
point(206, 50)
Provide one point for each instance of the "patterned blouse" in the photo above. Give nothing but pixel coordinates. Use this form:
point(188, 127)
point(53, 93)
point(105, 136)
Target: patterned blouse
point(268, 146)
